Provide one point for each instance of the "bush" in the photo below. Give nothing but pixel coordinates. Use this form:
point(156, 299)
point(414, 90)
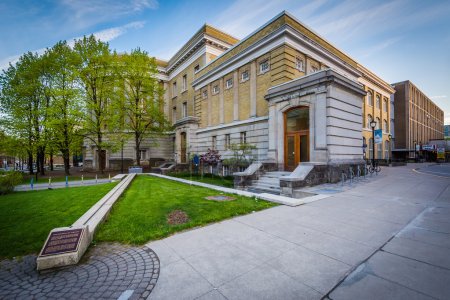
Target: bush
point(8, 181)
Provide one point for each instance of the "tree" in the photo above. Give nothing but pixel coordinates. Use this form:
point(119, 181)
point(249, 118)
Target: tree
point(24, 106)
point(64, 91)
point(99, 82)
point(142, 97)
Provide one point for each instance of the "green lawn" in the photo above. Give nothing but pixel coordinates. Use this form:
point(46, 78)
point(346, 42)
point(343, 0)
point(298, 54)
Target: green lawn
point(206, 178)
point(26, 218)
point(140, 215)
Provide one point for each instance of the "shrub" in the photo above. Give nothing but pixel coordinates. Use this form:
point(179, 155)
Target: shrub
point(8, 181)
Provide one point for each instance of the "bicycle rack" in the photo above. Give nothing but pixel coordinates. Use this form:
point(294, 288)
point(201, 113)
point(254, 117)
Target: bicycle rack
point(343, 175)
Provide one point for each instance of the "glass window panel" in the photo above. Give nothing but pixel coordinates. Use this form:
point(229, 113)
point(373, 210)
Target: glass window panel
point(297, 119)
point(304, 148)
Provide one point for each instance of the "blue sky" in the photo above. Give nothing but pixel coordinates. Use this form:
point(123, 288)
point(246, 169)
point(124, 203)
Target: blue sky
point(398, 40)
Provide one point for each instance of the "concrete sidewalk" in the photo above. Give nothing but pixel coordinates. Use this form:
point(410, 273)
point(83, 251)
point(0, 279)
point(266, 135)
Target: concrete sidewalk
point(60, 184)
point(386, 239)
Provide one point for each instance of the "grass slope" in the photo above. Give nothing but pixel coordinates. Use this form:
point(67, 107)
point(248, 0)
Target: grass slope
point(140, 215)
point(207, 178)
point(26, 218)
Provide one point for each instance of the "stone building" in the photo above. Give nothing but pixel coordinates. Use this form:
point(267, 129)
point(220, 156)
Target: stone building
point(417, 120)
point(284, 89)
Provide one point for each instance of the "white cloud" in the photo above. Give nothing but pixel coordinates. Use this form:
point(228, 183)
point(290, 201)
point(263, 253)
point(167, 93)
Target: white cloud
point(438, 97)
point(105, 35)
point(83, 14)
point(379, 47)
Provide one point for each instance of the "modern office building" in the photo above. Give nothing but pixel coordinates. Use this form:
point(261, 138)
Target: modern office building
point(417, 120)
point(284, 89)
point(446, 131)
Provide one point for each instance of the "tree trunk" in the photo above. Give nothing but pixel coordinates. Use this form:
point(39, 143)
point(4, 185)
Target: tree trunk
point(51, 160)
point(138, 152)
point(66, 158)
point(30, 162)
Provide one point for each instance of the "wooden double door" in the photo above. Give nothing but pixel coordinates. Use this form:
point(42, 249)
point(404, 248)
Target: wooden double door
point(296, 138)
point(296, 149)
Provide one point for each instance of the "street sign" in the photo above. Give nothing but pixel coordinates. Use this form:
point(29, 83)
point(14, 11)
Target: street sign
point(429, 147)
point(378, 136)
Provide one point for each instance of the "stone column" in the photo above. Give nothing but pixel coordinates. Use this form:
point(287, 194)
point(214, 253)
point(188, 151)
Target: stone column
point(221, 105)
point(235, 96)
point(273, 134)
point(253, 89)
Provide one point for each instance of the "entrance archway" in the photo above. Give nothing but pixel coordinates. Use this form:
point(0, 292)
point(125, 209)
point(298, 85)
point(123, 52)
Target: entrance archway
point(296, 137)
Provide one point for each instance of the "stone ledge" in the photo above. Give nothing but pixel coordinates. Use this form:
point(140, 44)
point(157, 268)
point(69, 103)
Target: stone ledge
point(89, 223)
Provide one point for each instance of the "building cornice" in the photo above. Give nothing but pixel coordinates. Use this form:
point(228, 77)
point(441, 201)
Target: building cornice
point(371, 77)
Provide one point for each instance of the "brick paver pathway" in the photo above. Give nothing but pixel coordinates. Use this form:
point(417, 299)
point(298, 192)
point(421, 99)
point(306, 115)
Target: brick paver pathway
point(111, 272)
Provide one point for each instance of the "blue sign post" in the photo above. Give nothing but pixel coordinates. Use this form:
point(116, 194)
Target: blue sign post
point(378, 136)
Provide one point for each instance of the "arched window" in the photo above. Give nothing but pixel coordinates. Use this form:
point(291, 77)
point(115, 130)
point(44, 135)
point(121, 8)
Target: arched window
point(369, 99)
point(378, 102)
point(385, 126)
point(385, 105)
point(378, 123)
point(369, 119)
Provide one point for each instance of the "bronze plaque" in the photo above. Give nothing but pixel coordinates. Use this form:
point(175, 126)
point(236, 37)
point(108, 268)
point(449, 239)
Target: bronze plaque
point(62, 242)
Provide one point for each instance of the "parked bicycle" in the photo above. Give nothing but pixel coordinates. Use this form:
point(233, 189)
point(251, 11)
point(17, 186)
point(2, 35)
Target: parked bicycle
point(373, 168)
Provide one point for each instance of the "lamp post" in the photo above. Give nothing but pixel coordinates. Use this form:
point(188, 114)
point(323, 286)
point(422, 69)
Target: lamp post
point(373, 124)
point(414, 149)
point(390, 146)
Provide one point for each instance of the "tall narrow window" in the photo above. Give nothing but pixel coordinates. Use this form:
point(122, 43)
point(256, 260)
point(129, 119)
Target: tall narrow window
point(369, 99)
point(243, 138)
point(385, 105)
point(369, 120)
point(214, 143)
point(174, 114)
point(174, 89)
point(184, 86)
point(184, 111)
point(227, 141)
point(378, 123)
point(378, 102)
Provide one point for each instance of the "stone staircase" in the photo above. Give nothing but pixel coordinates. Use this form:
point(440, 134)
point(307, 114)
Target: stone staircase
point(268, 183)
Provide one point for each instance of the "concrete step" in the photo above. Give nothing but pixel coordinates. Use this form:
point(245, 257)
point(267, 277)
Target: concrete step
point(260, 190)
point(277, 174)
point(267, 184)
point(268, 180)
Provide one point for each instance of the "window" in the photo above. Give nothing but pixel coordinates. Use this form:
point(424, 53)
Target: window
point(385, 105)
point(378, 102)
point(378, 123)
point(214, 142)
point(227, 141)
point(369, 119)
point(174, 89)
point(229, 83)
point(385, 126)
point(386, 150)
point(370, 148)
point(184, 86)
point(196, 68)
point(174, 114)
point(299, 64)
point(243, 138)
point(264, 66)
point(314, 69)
point(215, 90)
point(205, 94)
point(184, 111)
point(379, 150)
point(143, 154)
point(369, 99)
point(244, 76)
